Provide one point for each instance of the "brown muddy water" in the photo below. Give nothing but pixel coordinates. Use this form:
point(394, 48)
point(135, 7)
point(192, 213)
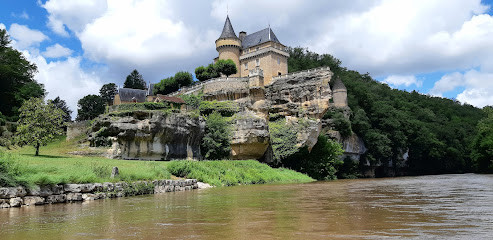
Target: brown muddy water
point(426, 207)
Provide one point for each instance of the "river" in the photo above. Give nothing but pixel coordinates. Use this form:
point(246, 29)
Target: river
point(425, 207)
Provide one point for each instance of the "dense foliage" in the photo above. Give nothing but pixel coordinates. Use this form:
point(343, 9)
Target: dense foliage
point(135, 80)
point(90, 107)
point(482, 146)
point(321, 163)
point(17, 82)
point(108, 92)
point(172, 84)
point(39, 123)
point(216, 141)
point(282, 139)
point(435, 132)
point(192, 100)
point(228, 173)
point(225, 67)
point(62, 105)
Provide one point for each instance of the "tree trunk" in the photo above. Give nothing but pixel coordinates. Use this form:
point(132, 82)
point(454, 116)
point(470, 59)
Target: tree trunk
point(37, 149)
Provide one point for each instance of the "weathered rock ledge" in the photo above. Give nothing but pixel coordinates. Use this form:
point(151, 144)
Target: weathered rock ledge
point(39, 195)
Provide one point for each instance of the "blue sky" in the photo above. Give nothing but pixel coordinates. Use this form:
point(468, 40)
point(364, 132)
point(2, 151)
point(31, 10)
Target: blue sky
point(441, 47)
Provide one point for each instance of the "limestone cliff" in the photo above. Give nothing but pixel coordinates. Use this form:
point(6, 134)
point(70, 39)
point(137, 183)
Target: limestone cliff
point(300, 98)
point(151, 135)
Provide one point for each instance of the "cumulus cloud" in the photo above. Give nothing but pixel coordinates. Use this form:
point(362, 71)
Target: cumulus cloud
point(56, 51)
point(73, 14)
point(65, 79)
point(447, 83)
point(25, 37)
point(399, 80)
point(478, 87)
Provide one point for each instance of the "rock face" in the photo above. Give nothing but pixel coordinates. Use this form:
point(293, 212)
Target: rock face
point(250, 136)
point(353, 145)
point(300, 94)
point(151, 135)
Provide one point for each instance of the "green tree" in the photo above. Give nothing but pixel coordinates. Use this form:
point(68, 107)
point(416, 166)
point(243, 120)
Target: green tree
point(282, 139)
point(166, 86)
point(321, 162)
point(17, 82)
point(39, 123)
point(62, 105)
point(183, 79)
point(201, 73)
point(135, 80)
point(90, 107)
point(226, 67)
point(482, 147)
point(108, 92)
point(216, 141)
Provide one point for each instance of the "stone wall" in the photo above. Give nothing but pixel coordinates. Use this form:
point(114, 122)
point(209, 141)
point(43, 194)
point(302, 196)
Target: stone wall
point(39, 195)
point(76, 129)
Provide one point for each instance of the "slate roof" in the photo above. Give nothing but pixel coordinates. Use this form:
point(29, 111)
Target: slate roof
point(170, 99)
point(228, 31)
point(259, 37)
point(127, 94)
point(338, 84)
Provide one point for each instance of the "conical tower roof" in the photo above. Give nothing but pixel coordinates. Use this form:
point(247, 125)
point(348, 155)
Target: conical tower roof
point(228, 31)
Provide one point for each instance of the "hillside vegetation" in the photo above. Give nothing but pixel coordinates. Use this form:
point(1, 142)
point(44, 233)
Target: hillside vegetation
point(436, 133)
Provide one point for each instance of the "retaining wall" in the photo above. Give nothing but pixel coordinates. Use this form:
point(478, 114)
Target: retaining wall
point(39, 195)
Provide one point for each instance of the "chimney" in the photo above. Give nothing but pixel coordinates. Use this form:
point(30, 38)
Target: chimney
point(242, 35)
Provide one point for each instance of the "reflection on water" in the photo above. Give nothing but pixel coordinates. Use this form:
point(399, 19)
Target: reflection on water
point(429, 207)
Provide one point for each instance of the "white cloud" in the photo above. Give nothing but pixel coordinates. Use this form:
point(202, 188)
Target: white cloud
point(25, 37)
point(74, 14)
point(478, 87)
point(57, 26)
point(65, 79)
point(447, 83)
point(22, 15)
point(2, 26)
point(400, 80)
point(56, 51)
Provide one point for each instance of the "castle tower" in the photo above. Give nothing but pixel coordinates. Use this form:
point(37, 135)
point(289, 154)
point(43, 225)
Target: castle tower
point(229, 45)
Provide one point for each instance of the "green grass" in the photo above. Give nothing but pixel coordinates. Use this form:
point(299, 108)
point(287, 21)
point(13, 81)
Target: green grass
point(56, 166)
point(234, 172)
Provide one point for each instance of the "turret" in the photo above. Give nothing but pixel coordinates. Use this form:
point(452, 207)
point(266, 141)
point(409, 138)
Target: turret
point(228, 45)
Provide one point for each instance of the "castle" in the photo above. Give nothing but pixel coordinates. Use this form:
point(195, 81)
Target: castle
point(259, 50)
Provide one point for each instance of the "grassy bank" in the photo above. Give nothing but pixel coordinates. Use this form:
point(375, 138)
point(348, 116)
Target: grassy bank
point(231, 172)
point(55, 166)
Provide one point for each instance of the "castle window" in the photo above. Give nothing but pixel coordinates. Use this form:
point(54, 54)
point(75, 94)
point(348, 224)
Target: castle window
point(278, 61)
point(246, 66)
point(279, 74)
point(257, 62)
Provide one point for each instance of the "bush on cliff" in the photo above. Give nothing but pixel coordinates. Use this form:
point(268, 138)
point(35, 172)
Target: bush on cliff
point(225, 108)
point(321, 163)
point(282, 139)
point(216, 141)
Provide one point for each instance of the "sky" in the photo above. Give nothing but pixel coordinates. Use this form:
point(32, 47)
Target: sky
point(436, 47)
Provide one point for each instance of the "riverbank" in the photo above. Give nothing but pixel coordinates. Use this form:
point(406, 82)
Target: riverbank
point(62, 193)
point(57, 164)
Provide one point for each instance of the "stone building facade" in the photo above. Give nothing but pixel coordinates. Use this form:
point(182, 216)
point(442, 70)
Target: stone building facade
point(259, 50)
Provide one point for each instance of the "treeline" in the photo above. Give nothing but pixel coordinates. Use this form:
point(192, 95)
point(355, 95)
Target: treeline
point(438, 135)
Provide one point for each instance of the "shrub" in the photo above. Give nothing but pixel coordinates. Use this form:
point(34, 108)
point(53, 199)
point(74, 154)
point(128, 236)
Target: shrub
point(225, 108)
point(321, 162)
point(216, 141)
point(192, 100)
point(283, 139)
